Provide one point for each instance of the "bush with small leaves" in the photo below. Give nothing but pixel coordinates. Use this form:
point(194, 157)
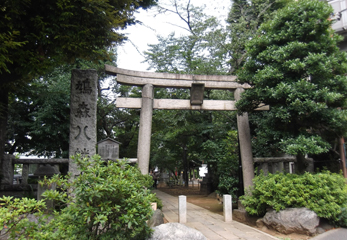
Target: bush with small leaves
point(157, 200)
point(342, 218)
point(324, 193)
point(108, 200)
point(14, 214)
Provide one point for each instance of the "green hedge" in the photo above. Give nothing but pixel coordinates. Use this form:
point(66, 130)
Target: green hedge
point(110, 200)
point(324, 193)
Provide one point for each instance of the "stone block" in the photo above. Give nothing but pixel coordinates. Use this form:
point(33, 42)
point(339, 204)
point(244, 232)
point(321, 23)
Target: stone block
point(7, 169)
point(182, 209)
point(292, 220)
point(157, 219)
point(174, 231)
point(25, 173)
point(83, 103)
point(227, 208)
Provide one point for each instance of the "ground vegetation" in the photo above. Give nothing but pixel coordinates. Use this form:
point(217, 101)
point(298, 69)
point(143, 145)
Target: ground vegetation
point(110, 200)
point(324, 193)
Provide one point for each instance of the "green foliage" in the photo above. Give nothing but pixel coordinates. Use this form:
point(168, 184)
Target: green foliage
point(324, 193)
point(202, 133)
point(157, 200)
point(228, 185)
point(201, 51)
point(244, 19)
point(227, 166)
point(38, 35)
point(14, 212)
point(295, 66)
point(38, 121)
point(109, 200)
point(342, 218)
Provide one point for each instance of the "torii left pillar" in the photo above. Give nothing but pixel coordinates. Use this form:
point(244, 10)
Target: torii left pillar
point(145, 131)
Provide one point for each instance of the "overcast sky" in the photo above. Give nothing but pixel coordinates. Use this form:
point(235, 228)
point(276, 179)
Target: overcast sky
point(130, 54)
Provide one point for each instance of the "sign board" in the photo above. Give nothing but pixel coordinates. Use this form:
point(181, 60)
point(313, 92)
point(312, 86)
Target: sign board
point(108, 149)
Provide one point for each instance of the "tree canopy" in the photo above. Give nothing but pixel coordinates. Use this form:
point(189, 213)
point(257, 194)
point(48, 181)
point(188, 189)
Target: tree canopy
point(243, 20)
point(182, 140)
point(38, 122)
point(38, 36)
point(295, 66)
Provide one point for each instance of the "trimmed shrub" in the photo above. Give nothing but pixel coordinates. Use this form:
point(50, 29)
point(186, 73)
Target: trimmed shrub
point(157, 200)
point(342, 218)
point(324, 193)
point(109, 200)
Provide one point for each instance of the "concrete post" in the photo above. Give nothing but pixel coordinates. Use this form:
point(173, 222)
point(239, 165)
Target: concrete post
point(145, 131)
point(265, 168)
point(182, 209)
point(245, 145)
point(82, 115)
point(280, 167)
point(46, 171)
point(227, 208)
point(25, 173)
point(286, 167)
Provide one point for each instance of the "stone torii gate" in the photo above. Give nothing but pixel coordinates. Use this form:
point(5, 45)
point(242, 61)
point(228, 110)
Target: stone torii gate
point(197, 84)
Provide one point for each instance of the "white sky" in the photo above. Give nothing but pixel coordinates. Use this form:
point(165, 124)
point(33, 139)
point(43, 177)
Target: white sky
point(129, 56)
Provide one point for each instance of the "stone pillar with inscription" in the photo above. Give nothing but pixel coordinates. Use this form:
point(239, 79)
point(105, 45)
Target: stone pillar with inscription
point(82, 115)
point(245, 145)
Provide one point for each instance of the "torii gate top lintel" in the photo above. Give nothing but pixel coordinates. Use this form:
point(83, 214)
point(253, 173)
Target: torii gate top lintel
point(137, 78)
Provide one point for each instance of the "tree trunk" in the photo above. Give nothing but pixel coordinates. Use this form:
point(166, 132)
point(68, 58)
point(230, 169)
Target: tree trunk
point(185, 165)
point(3, 125)
point(301, 164)
point(342, 156)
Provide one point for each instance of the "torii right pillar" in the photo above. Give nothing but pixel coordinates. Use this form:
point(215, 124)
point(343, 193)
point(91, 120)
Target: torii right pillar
point(245, 145)
point(145, 130)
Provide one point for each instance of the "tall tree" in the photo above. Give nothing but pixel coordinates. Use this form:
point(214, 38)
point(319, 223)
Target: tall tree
point(244, 19)
point(181, 137)
point(295, 66)
point(39, 113)
point(199, 51)
point(39, 116)
point(38, 35)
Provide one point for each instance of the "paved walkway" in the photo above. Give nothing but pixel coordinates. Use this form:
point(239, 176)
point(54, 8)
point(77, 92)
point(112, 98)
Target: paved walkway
point(211, 224)
point(335, 234)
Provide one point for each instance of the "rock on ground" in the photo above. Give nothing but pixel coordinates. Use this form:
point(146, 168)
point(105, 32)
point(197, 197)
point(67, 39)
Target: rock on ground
point(157, 219)
point(174, 231)
point(292, 220)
